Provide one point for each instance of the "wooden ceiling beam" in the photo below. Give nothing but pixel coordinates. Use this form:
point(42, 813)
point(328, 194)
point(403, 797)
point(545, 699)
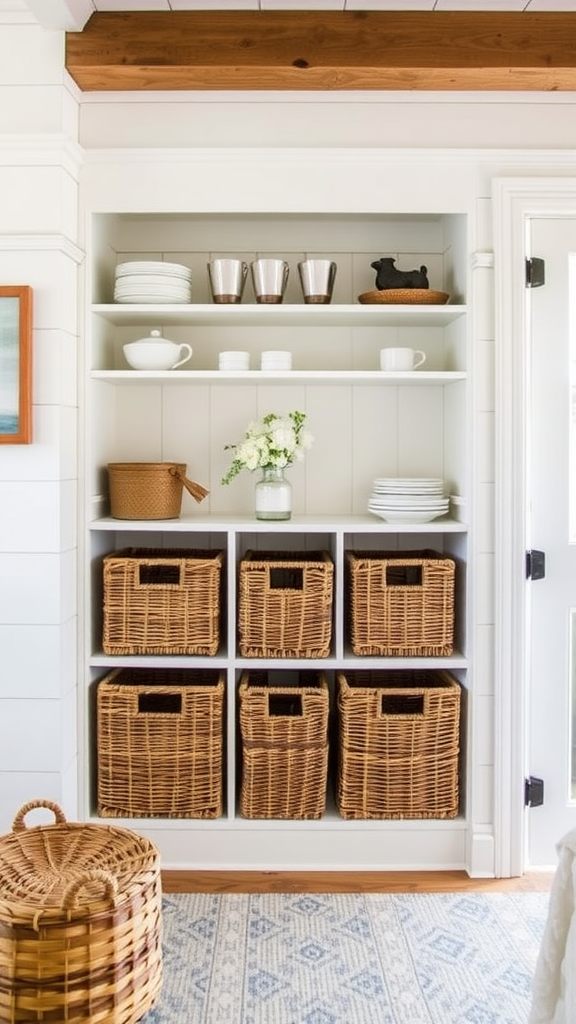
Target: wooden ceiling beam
point(310, 50)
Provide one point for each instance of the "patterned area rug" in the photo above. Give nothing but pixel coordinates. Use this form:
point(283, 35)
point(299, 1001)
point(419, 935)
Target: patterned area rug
point(273, 958)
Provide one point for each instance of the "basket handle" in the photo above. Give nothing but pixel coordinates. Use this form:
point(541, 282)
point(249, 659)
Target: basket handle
point(406, 705)
point(110, 883)
point(196, 490)
point(18, 824)
point(404, 575)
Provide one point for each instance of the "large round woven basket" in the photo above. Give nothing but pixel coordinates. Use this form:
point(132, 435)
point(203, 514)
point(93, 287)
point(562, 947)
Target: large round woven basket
point(80, 923)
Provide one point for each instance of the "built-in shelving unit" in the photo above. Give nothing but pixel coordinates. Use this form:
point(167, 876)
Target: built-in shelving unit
point(365, 422)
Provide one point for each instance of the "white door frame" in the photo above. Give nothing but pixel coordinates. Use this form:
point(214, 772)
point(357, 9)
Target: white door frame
point(516, 200)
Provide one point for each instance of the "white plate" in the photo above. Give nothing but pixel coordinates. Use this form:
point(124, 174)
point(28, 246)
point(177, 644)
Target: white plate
point(408, 499)
point(402, 481)
point(146, 280)
point(409, 486)
point(436, 493)
point(144, 296)
point(408, 489)
point(153, 267)
point(169, 285)
point(407, 511)
point(414, 506)
point(152, 299)
point(407, 517)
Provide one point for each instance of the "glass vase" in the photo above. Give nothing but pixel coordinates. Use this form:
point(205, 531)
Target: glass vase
point(273, 495)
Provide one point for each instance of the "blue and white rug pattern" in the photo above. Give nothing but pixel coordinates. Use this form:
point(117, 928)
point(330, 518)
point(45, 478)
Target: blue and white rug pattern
point(271, 958)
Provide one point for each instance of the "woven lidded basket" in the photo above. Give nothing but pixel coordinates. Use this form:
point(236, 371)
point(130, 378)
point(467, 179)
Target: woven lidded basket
point(399, 734)
point(285, 604)
point(162, 601)
point(400, 603)
point(160, 739)
point(149, 490)
point(284, 732)
point(80, 923)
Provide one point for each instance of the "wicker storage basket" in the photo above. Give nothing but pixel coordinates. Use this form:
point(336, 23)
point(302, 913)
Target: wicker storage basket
point(162, 601)
point(160, 739)
point(149, 490)
point(400, 603)
point(284, 732)
point(285, 604)
point(398, 750)
point(80, 923)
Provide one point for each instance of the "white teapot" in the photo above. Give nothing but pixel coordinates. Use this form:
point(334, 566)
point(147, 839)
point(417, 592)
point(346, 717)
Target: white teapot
point(156, 353)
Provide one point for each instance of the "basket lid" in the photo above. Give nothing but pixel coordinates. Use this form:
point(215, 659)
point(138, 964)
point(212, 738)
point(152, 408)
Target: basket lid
point(147, 467)
point(71, 865)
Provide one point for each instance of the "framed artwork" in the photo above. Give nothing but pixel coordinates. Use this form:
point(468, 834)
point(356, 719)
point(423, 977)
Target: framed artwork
point(15, 364)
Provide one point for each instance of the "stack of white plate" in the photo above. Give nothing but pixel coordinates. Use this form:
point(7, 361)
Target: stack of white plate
point(408, 499)
point(147, 281)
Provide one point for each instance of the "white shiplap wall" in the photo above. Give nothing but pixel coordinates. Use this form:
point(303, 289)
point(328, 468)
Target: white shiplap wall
point(462, 142)
point(39, 163)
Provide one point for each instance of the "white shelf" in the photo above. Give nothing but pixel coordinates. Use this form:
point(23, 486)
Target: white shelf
point(298, 524)
point(331, 820)
point(222, 661)
point(264, 314)
point(416, 377)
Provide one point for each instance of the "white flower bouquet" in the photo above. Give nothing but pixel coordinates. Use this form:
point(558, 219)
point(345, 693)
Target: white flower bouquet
point(274, 441)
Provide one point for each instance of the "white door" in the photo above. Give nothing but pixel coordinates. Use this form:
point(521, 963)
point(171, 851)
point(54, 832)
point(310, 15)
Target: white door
point(551, 527)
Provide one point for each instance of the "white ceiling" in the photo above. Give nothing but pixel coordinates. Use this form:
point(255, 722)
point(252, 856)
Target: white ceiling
point(72, 15)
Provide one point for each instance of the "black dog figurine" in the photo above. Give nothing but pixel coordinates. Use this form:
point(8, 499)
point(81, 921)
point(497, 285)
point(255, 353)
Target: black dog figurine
point(388, 277)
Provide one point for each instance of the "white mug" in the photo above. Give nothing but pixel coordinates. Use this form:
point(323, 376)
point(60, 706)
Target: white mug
point(235, 360)
point(227, 279)
point(269, 278)
point(317, 279)
point(396, 359)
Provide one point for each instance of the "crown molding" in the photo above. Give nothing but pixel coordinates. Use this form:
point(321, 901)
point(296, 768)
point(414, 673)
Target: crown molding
point(42, 243)
point(563, 159)
point(42, 151)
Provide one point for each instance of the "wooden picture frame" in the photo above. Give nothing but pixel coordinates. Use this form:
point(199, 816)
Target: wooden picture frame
point(15, 364)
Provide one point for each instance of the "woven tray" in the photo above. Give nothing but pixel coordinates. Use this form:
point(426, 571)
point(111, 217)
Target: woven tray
point(405, 296)
point(284, 731)
point(398, 751)
point(160, 743)
point(80, 923)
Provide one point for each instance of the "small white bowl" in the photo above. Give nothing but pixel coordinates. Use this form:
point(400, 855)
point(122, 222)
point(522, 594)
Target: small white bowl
point(276, 360)
point(234, 360)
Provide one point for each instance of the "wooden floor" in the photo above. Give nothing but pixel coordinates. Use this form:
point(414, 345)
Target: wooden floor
point(352, 881)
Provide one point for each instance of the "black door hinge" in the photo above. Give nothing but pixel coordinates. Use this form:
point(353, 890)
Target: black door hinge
point(535, 272)
point(535, 564)
point(533, 792)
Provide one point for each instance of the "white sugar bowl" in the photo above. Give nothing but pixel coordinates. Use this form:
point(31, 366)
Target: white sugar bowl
point(156, 353)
